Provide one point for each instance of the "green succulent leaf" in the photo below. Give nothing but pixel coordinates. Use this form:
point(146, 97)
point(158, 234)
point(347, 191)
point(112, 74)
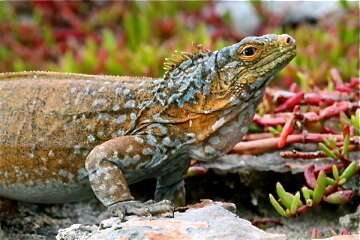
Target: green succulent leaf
point(330, 181)
point(307, 193)
point(277, 206)
point(335, 172)
point(296, 203)
point(349, 170)
point(285, 197)
point(320, 186)
point(327, 151)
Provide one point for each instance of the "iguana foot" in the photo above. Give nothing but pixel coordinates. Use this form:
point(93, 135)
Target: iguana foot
point(164, 208)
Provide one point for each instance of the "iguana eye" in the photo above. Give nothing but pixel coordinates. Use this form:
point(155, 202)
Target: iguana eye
point(248, 51)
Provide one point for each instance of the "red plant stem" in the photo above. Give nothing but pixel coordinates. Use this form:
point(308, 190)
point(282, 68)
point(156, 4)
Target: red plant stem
point(330, 189)
point(267, 122)
point(328, 112)
point(303, 155)
point(302, 209)
point(334, 110)
point(287, 130)
point(257, 136)
point(290, 102)
point(355, 82)
point(67, 13)
point(314, 98)
point(328, 130)
point(266, 220)
point(339, 84)
point(309, 174)
point(263, 145)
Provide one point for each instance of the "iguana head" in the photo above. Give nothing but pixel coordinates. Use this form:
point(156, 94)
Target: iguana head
point(250, 63)
point(236, 70)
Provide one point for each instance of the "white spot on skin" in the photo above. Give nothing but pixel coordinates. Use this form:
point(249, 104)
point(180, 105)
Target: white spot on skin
point(99, 101)
point(113, 189)
point(77, 149)
point(116, 108)
point(148, 151)
point(130, 148)
point(167, 141)
point(120, 119)
point(243, 130)
point(126, 91)
point(139, 139)
point(151, 140)
point(133, 116)
point(137, 157)
point(103, 116)
point(102, 89)
point(234, 100)
point(72, 90)
point(91, 138)
point(209, 149)
point(130, 104)
point(225, 130)
point(214, 140)
point(218, 124)
point(51, 153)
point(191, 135)
point(118, 90)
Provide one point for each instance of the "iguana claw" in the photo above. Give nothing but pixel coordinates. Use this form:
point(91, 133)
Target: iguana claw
point(164, 208)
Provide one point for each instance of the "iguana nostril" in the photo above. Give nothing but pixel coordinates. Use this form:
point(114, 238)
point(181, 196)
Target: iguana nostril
point(286, 40)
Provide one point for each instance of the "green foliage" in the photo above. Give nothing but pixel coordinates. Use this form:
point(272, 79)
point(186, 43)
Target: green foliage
point(289, 205)
point(355, 121)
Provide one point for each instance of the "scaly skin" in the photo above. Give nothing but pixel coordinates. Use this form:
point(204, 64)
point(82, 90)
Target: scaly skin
point(59, 131)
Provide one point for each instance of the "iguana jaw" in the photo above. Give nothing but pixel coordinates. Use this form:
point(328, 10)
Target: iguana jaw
point(247, 73)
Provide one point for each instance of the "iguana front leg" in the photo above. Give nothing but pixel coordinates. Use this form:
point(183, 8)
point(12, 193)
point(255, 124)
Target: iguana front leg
point(109, 163)
point(171, 186)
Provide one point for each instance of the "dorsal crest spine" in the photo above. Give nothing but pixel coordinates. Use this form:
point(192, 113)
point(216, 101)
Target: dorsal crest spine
point(178, 57)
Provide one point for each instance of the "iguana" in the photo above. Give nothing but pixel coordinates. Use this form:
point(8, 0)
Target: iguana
point(63, 135)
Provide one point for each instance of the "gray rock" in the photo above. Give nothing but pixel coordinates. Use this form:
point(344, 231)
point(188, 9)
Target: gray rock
point(351, 221)
point(235, 163)
point(3, 235)
point(206, 220)
point(272, 161)
point(76, 231)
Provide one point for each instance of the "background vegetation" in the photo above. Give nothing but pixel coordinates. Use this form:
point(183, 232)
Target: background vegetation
point(133, 38)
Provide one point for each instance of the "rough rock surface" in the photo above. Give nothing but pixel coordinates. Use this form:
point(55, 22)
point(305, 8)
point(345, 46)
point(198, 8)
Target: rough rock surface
point(202, 221)
point(235, 163)
point(351, 221)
